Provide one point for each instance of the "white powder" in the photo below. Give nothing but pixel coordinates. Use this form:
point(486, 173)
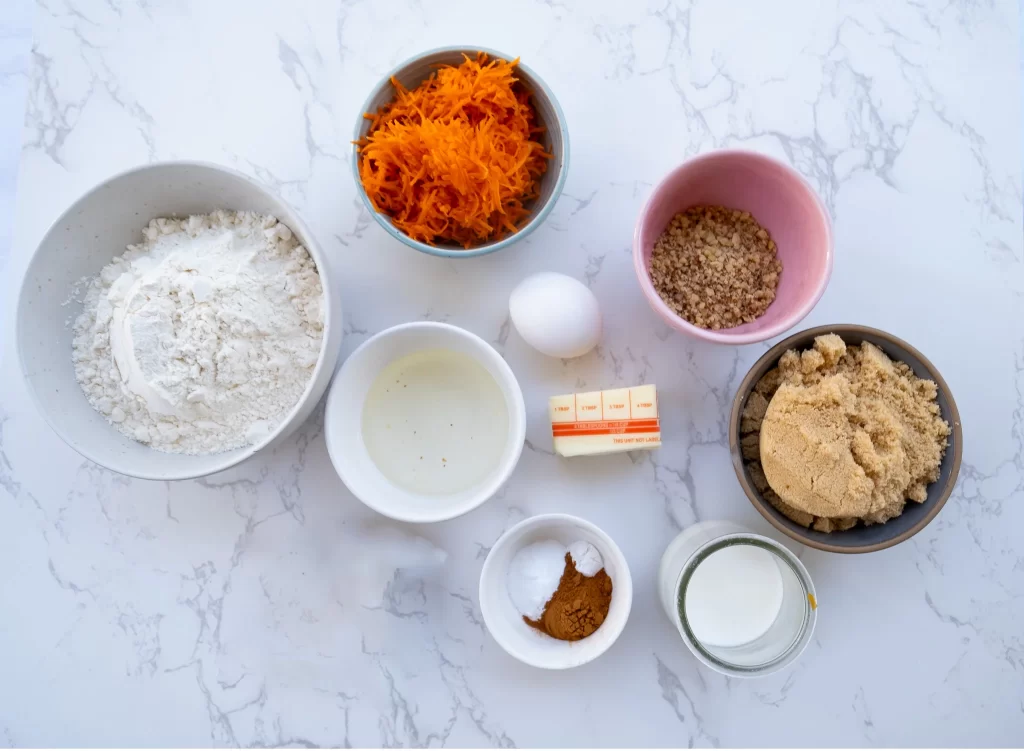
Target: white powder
point(202, 338)
point(535, 571)
point(533, 576)
point(586, 558)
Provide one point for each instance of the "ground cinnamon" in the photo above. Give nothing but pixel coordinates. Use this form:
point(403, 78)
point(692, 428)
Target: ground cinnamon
point(579, 605)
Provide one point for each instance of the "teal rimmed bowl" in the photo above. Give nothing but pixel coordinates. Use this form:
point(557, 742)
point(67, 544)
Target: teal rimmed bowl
point(549, 115)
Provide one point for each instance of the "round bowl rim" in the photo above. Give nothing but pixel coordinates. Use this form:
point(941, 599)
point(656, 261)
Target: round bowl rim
point(719, 665)
point(762, 506)
point(517, 426)
point(294, 222)
point(722, 336)
point(626, 577)
point(535, 221)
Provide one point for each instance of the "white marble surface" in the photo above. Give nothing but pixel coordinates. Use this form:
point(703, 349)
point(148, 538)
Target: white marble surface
point(224, 611)
point(15, 40)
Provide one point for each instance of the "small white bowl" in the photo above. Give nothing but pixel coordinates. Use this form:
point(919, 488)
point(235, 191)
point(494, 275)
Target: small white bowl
point(343, 421)
point(506, 623)
point(82, 240)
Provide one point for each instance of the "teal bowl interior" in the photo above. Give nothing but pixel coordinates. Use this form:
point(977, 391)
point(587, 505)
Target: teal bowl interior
point(549, 116)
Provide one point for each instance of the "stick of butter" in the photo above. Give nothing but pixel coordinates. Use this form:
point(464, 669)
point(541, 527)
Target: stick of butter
point(602, 422)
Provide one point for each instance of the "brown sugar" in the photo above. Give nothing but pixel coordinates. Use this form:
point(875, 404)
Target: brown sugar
point(715, 267)
point(842, 434)
point(579, 605)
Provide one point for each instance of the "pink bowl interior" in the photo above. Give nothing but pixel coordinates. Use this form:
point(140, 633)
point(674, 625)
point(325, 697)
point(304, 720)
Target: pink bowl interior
point(779, 199)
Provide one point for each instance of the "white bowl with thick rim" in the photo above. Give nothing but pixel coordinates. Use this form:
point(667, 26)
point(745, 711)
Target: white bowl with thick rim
point(506, 623)
point(94, 229)
point(343, 422)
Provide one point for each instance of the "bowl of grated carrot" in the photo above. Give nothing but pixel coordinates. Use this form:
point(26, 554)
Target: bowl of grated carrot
point(460, 152)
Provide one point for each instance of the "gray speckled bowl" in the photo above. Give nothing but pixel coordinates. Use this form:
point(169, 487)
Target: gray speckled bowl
point(859, 539)
point(549, 115)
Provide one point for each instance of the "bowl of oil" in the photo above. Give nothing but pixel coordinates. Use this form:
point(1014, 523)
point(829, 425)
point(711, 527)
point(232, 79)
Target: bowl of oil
point(425, 421)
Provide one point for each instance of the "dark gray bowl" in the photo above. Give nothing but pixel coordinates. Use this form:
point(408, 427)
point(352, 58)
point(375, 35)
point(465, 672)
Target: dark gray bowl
point(859, 539)
point(555, 138)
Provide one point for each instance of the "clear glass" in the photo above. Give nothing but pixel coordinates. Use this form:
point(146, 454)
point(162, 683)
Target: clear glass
point(785, 638)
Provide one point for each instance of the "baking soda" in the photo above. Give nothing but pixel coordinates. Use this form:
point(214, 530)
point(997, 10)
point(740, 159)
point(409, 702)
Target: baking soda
point(533, 576)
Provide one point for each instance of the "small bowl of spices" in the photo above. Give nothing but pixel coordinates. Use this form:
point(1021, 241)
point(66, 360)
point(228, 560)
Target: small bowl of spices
point(846, 438)
point(555, 591)
point(460, 152)
point(733, 247)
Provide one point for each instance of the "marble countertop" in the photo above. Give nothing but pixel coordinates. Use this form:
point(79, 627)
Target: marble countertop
point(235, 610)
point(15, 41)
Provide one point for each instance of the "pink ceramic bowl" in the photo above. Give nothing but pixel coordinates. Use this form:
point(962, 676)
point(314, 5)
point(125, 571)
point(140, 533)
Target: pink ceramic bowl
point(780, 199)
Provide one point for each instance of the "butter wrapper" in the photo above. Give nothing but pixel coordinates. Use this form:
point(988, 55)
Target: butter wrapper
point(604, 422)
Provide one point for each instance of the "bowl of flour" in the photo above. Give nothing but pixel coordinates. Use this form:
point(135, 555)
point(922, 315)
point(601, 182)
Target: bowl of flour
point(177, 319)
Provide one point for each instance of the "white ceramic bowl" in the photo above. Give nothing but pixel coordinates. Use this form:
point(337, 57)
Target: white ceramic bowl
point(343, 421)
point(97, 227)
point(506, 624)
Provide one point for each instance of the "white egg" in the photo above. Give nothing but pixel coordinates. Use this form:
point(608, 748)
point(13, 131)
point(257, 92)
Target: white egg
point(556, 314)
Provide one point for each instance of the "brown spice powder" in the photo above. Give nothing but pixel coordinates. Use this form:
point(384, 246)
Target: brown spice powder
point(716, 267)
point(579, 605)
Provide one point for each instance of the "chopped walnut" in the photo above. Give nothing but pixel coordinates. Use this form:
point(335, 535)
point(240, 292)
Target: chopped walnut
point(716, 267)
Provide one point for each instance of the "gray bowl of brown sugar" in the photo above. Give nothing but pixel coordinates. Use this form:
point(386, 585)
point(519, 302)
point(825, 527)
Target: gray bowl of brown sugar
point(860, 538)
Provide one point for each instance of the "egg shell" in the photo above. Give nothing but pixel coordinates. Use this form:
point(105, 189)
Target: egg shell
point(556, 314)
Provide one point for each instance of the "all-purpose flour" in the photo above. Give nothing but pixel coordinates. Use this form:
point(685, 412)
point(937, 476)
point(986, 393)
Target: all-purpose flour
point(202, 338)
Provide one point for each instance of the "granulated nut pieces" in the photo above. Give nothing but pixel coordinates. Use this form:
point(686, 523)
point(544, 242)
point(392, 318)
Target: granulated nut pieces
point(716, 267)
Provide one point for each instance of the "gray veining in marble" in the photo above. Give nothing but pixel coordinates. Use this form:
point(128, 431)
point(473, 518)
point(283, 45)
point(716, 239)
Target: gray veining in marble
point(227, 611)
point(15, 41)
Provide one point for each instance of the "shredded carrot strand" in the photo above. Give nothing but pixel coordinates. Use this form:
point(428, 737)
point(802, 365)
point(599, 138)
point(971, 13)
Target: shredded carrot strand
point(455, 159)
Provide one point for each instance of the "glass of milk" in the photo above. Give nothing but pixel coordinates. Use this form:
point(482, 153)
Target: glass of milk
point(743, 603)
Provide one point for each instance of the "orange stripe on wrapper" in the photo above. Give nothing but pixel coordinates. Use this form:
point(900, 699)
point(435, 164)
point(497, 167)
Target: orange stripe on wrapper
point(608, 431)
point(600, 427)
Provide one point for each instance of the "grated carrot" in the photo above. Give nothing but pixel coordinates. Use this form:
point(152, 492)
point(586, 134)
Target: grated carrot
point(456, 158)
